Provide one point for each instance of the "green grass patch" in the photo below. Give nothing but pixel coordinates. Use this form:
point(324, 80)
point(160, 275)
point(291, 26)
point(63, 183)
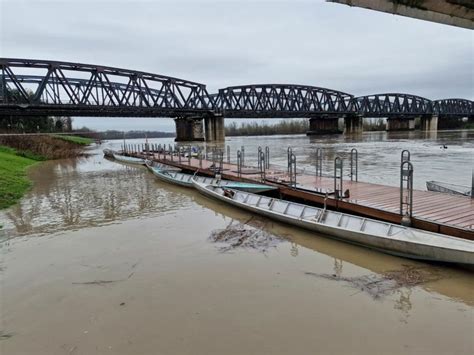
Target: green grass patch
point(76, 139)
point(13, 180)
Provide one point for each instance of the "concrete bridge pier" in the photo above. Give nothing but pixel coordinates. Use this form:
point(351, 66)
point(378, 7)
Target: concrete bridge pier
point(323, 125)
point(400, 123)
point(429, 123)
point(353, 124)
point(214, 128)
point(189, 129)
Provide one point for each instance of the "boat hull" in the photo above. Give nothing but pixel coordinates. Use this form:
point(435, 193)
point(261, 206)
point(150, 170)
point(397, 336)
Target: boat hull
point(129, 160)
point(387, 244)
point(448, 188)
point(185, 180)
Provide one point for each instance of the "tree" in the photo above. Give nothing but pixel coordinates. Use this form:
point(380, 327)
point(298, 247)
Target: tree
point(26, 124)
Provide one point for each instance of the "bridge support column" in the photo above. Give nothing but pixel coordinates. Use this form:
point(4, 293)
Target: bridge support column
point(189, 129)
point(400, 124)
point(220, 128)
point(353, 124)
point(323, 125)
point(214, 128)
point(429, 123)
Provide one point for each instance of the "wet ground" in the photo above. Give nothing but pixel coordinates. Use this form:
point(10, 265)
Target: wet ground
point(101, 258)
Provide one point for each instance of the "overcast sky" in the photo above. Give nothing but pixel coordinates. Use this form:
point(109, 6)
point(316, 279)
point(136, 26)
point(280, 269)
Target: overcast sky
point(223, 43)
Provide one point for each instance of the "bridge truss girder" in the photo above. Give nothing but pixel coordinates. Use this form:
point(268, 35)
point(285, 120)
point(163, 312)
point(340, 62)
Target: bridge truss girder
point(70, 89)
point(56, 85)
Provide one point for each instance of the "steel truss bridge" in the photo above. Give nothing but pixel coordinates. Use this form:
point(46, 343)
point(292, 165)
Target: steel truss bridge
point(40, 87)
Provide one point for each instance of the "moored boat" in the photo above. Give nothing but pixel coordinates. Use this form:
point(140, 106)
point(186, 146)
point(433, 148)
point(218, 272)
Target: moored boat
point(160, 167)
point(386, 237)
point(129, 160)
point(445, 187)
point(185, 180)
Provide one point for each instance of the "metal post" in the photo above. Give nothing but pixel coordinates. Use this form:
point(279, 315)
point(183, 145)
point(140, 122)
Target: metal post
point(267, 157)
point(289, 152)
point(228, 154)
point(405, 155)
point(292, 170)
point(200, 159)
point(179, 155)
point(472, 185)
point(354, 164)
point(242, 155)
point(338, 173)
point(319, 162)
point(221, 161)
point(406, 192)
point(189, 155)
point(262, 165)
point(239, 163)
point(214, 159)
point(259, 151)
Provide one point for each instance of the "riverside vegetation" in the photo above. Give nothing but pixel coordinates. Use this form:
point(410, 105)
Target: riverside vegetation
point(18, 153)
point(286, 127)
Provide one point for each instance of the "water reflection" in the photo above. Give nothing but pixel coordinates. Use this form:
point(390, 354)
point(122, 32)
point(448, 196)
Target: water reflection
point(403, 303)
point(64, 199)
point(454, 283)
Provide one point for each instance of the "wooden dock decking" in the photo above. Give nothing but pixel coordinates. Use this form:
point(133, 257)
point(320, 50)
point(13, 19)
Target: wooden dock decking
point(432, 211)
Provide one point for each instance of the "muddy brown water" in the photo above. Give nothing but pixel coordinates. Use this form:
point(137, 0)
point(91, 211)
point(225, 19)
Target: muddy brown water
point(101, 258)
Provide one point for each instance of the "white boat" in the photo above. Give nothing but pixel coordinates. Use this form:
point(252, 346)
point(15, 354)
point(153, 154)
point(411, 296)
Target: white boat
point(129, 160)
point(386, 237)
point(445, 187)
point(185, 180)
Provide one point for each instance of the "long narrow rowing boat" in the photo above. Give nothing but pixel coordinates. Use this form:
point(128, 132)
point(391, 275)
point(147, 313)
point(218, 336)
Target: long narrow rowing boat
point(445, 187)
point(129, 160)
point(185, 180)
point(385, 237)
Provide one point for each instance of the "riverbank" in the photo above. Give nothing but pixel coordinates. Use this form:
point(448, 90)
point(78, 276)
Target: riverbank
point(76, 139)
point(13, 180)
point(18, 154)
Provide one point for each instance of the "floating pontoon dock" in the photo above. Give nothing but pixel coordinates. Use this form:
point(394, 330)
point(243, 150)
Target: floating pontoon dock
point(431, 211)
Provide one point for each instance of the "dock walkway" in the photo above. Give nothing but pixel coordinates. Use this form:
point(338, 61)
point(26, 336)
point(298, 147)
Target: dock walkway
point(432, 211)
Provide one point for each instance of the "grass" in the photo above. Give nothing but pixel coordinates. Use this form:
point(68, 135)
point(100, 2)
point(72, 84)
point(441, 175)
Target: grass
point(76, 139)
point(13, 180)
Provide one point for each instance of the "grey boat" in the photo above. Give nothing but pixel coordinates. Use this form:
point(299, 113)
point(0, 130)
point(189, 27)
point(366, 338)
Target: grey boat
point(386, 237)
point(447, 188)
point(128, 160)
point(185, 180)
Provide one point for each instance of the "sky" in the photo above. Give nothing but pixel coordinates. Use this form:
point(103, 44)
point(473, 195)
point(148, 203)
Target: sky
point(233, 42)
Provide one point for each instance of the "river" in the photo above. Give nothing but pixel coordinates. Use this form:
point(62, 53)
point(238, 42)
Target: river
point(101, 258)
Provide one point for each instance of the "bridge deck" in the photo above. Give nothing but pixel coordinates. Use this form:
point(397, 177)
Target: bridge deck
point(432, 211)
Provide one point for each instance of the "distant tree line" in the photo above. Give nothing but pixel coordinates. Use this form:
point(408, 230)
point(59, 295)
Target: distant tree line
point(114, 134)
point(264, 129)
